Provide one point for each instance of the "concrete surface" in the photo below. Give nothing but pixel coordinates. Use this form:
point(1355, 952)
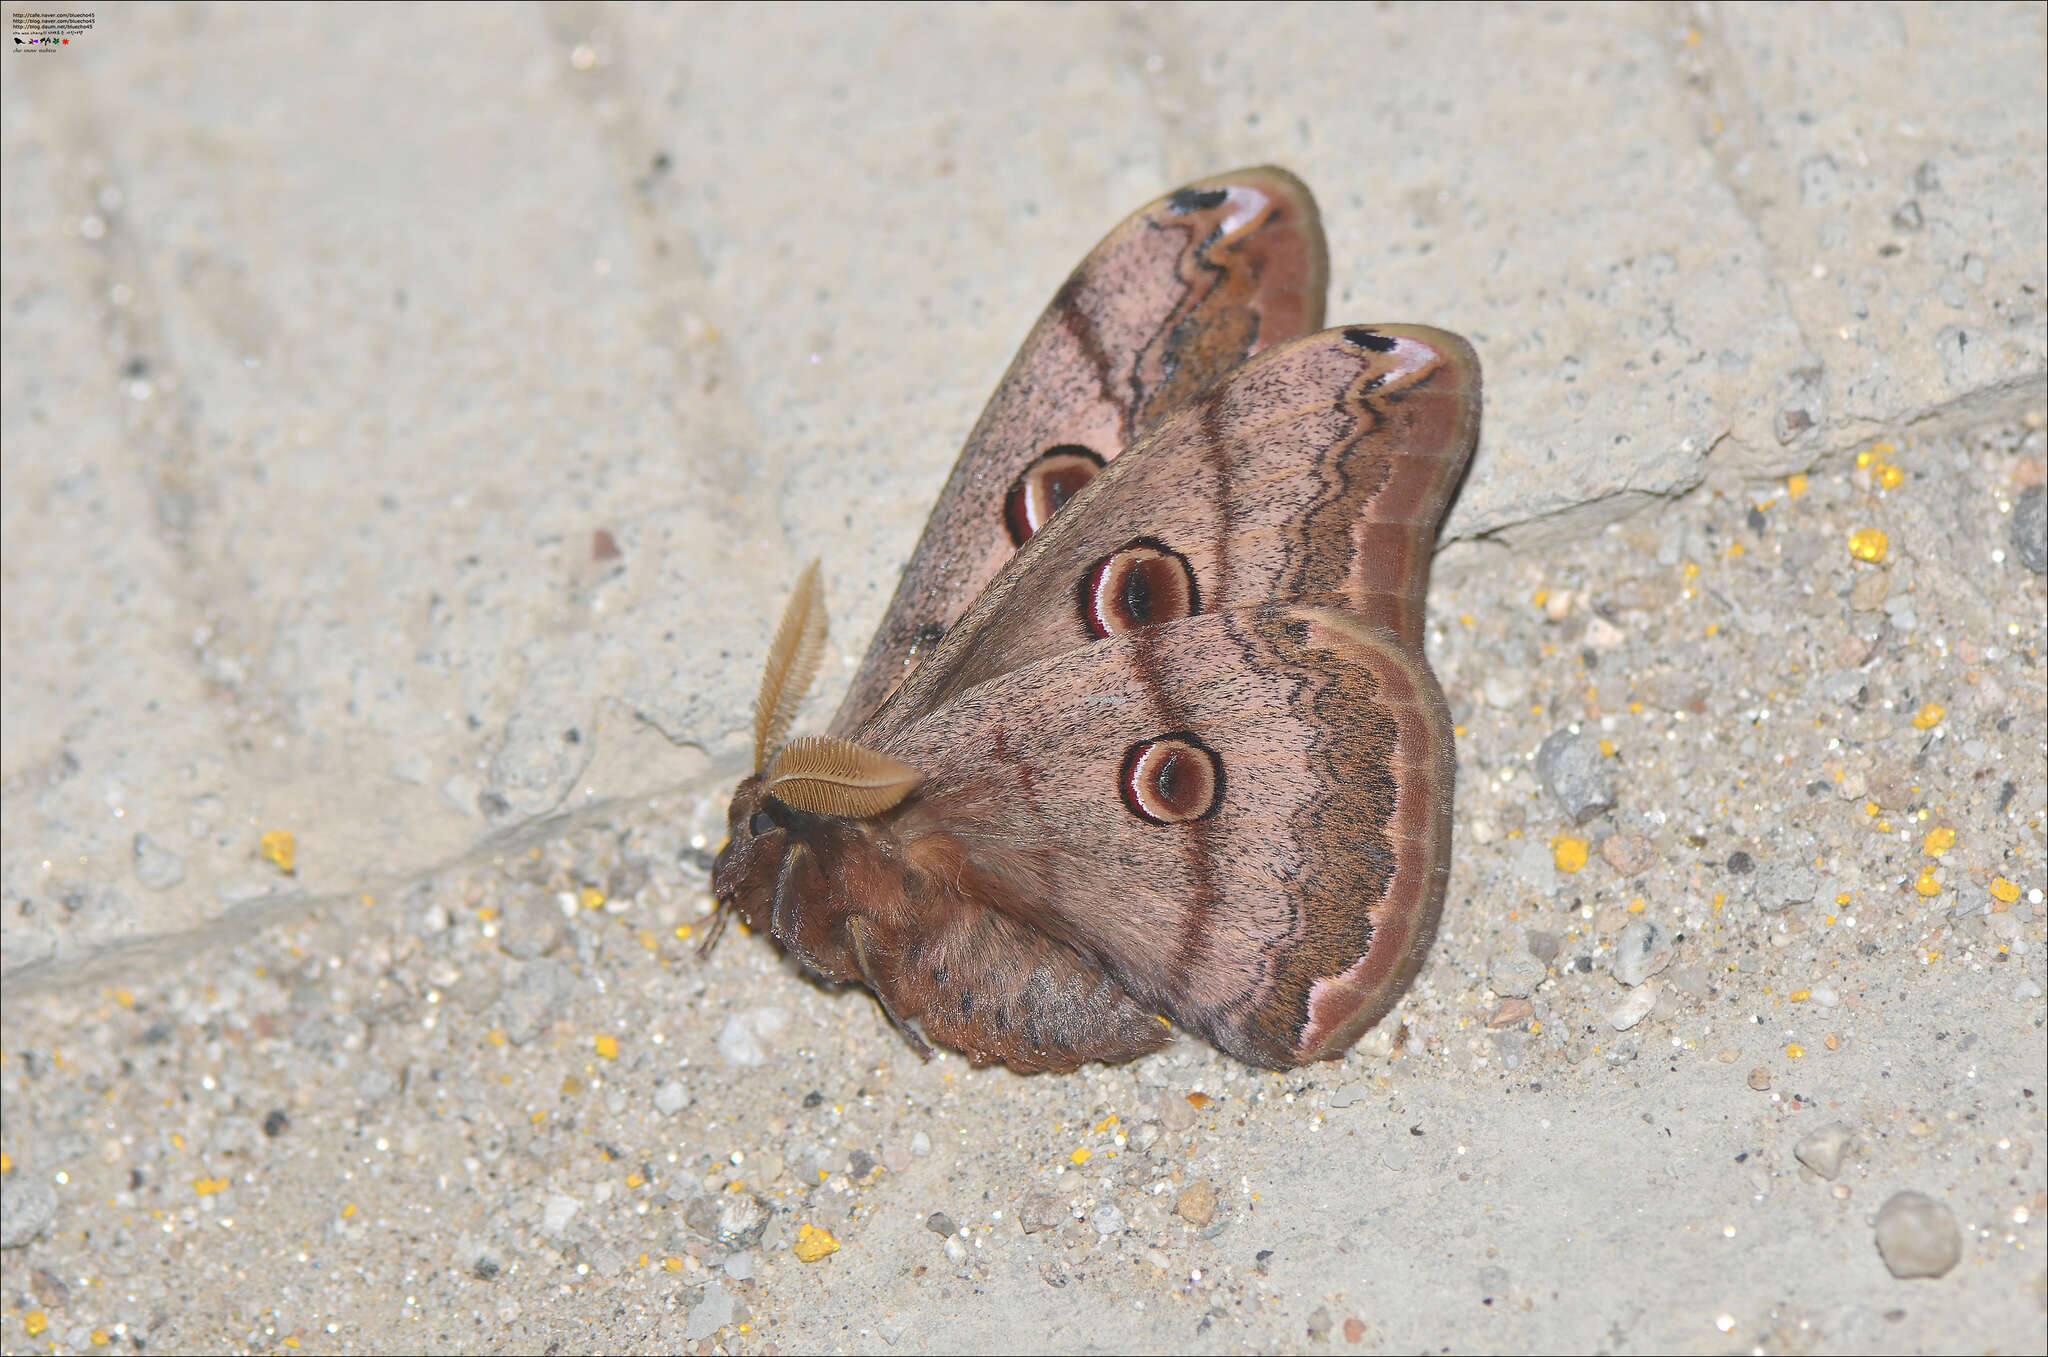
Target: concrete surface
point(333, 339)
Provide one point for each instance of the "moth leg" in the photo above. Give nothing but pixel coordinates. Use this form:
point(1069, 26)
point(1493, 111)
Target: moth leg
point(867, 973)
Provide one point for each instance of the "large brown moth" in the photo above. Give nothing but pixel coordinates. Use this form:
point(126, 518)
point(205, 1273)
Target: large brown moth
point(1147, 733)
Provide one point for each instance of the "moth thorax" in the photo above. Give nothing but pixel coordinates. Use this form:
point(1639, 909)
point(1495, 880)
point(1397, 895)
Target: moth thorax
point(1172, 779)
point(1044, 487)
point(1138, 585)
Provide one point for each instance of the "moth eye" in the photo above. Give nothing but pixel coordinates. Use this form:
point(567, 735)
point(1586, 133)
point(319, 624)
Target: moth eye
point(1171, 780)
point(1136, 586)
point(1040, 489)
point(760, 824)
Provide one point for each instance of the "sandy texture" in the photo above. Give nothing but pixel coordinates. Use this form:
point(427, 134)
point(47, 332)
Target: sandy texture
point(412, 420)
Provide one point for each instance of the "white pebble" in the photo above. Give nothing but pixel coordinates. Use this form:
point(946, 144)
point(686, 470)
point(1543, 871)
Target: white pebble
point(1634, 1006)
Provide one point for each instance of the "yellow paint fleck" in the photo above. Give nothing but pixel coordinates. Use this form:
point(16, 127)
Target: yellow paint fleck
point(348, 1212)
point(1795, 1050)
point(1081, 1156)
point(1842, 899)
point(1638, 905)
point(1800, 996)
point(100, 1338)
point(1606, 749)
point(607, 1046)
point(812, 1244)
point(672, 1264)
point(2004, 891)
point(1889, 476)
point(1736, 549)
point(1926, 884)
point(1635, 709)
point(35, 1321)
point(538, 1117)
point(487, 913)
point(496, 1036)
point(1720, 899)
point(280, 847)
point(6, 1163)
point(635, 1180)
point(1869, 544)
point(1199, 1101)
point(1104, 1124)
point(125, 998)
point(1568, 853)
point(1690, 571)
point(1795, 484)
point(1871, 808)
point(1542, 596)
point(1928, 717)
point(1458, 731)
point(648, 939)
point(592, 897)
point(177, 1139)
point(683, 931)
point(206, 1187)
point(1468, 619)
point(1938, 841)
point(1713, 630)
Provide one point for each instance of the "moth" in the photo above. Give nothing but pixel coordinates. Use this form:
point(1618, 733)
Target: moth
point(1146, 734)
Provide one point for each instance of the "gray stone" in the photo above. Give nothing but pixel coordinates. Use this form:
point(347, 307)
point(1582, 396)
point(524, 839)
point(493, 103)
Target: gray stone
point(156, 866)
point(1821, 1149)
point(1042, 1210)
point(1917, 1236)
point(1573, 772)
point(741, 1220)
point(532, 1000)
point(531, 925)
point(670, 1098)
point(1107, 1220)
point(1780, 885)
point(714, 1310)
point(744, 1040)
point(1642, 950)
point(1515, 975)
point(27, 1206)
point(2030, 528)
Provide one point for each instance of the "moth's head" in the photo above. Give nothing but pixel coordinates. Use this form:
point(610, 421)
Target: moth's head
point(802, 852)
point(743, 874)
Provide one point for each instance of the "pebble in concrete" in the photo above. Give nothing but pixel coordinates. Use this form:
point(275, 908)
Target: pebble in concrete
point(1642, 950)
point(1515, 975)
point(2030, 528)
point(1821, 1149)
point(1917, 1236)
point(1569, 766)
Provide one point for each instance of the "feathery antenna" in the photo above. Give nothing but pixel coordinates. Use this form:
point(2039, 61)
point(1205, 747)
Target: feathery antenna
point(792, 663)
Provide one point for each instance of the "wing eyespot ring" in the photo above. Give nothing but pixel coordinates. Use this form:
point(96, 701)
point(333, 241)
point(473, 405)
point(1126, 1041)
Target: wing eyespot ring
point(1171, 779)
point(1140, 584)
point(1041, 489)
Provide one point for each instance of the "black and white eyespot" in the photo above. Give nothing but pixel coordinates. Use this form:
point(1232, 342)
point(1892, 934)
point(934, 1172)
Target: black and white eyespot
point(1172, 779)
point(1042, 488)
point(1139, 584)
point(1372, 340)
